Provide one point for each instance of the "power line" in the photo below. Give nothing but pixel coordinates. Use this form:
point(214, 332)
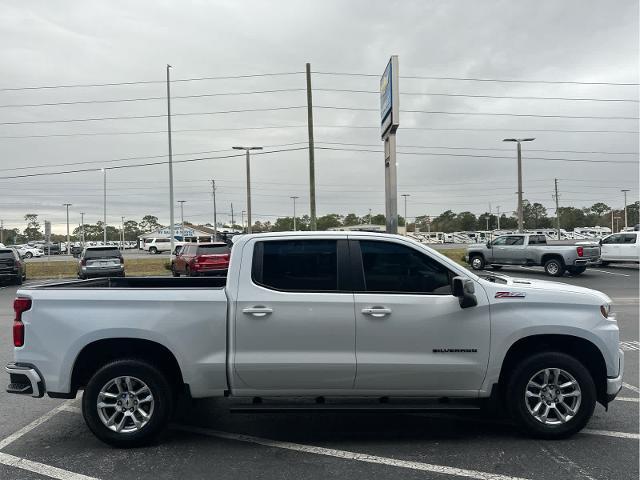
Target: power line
point(142, 99)
point(117, 167)
point(268, 127)
point(477, 148)
point(482, 156)
point(474, 79)
point(442, 112)
point(146, 82)
point(137, 117)
point(112, 160)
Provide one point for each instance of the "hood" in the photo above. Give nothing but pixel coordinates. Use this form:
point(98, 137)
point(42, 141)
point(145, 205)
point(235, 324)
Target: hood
point(555, 291)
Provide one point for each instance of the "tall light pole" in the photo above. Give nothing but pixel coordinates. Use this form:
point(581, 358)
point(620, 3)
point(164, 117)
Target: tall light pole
point(498, 215)
point(519, 140)
point(294, 212)
point(247, 150)
point(122, 233)
point(312, 168)
point(625, 190)
point(406, 229)
point(68, 239)
point(104, 206)
point(242, 219)
point(181, 202)
point(171, 205)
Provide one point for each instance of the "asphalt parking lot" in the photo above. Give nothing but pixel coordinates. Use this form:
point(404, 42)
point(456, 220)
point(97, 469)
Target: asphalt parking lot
point(46, 438)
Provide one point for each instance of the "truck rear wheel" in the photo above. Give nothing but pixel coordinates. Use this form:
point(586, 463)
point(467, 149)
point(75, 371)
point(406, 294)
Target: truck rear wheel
point(127, 403)
point(477, 262)
point(153, 250)
point(554, 267)
point(551, 395)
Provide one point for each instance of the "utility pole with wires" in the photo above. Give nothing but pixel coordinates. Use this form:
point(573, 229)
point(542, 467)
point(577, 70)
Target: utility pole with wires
point(294, 210)
point(68, 251)
point(625, 190)
point(557, 199)
point(122, 233)
point(171, 205)
point(498, 216)
point(312, 167)
point(405, 195)
point(232, 221)
point(1, 231)
point(215, 212)
point(181, 202)
point(489, 216)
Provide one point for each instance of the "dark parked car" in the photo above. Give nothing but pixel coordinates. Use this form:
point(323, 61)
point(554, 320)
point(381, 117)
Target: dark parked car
point(12, 267)
point(50, 248)
point(100, 262)
point(195, 259)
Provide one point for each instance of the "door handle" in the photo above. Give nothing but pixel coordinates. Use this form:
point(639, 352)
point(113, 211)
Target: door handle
point(257, 311)
point(376, 311)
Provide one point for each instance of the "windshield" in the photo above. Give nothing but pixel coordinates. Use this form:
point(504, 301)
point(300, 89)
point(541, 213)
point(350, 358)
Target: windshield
point(102, 253)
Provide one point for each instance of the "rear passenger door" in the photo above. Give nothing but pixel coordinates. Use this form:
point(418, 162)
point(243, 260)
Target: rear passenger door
point(412, 334)
point(294, 319)
point(629, 247)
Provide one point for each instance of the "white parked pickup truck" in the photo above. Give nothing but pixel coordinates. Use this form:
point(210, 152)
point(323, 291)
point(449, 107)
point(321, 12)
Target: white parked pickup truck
point(347, 320)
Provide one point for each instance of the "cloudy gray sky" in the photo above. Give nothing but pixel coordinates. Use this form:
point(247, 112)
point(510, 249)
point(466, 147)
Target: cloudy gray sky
point(450, 161)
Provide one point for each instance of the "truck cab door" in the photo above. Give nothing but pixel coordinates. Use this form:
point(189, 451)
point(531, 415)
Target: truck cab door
point(294, 324)
point(413, 337)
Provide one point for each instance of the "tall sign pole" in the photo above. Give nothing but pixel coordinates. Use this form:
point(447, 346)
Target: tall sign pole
point(390, 121)
point(215, 211)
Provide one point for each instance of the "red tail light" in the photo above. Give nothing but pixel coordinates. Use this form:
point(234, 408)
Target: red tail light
point(580, 251)
point(20, 305)
point(17, 264)
point(83, 262)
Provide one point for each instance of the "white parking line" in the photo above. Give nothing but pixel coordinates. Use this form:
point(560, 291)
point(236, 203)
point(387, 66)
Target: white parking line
point(608, 433)
point(609, 273)
point(38, 421)
point(346, 455)
point(628, 399)
point(633, 345)
point(631, 387)
point(41, 468)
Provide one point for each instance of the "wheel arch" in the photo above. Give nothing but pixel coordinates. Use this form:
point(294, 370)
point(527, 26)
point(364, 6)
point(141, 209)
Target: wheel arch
point(549, 256)
point(580, 348)
point(100, 352)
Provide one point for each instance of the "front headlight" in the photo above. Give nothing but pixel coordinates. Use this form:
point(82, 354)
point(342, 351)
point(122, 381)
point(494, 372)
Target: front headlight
point(605, 310)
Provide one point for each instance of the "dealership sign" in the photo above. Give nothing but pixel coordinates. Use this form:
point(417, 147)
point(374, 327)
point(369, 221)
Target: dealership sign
point(389, 98)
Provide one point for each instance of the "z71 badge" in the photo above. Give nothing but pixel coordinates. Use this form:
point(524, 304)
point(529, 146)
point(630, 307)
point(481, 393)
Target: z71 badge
point(510, 295)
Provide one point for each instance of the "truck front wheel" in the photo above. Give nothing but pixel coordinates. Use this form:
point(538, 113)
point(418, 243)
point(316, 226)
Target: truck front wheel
point(477, 262)
point(551, 395)
point(554, 267)
point(127, 403)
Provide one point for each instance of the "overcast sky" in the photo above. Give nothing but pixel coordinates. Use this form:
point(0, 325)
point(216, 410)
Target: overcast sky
point(89, 42)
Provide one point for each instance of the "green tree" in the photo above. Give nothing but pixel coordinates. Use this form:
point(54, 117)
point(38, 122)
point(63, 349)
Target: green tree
point(378, 219)
point(131, 230)
point(331, 220)
point(32, 232)
point(149, 223)
point(467, 221)
point(351, 219)
point(534, 215)
point(600, 208)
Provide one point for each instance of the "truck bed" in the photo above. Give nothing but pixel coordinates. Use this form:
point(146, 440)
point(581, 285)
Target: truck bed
point(139, 283)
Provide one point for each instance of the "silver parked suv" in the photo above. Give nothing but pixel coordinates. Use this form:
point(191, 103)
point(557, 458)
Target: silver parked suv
point(100, 261)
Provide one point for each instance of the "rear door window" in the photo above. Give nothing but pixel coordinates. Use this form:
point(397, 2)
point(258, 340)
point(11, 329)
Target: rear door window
point(296, 265)
point(629, 238)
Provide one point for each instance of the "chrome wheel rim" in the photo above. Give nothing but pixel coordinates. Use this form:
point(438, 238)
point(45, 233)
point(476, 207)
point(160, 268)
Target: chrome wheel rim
point(553, 396)
point(125, 404)
point(552, 268)
point(476, 263)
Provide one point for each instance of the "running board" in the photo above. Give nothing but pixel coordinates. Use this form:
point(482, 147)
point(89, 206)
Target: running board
point(370, 408)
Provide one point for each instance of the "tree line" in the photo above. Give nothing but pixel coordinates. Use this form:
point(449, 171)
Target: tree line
point(535, 217)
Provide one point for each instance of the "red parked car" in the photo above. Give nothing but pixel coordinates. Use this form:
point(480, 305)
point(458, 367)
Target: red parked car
point(195, 259)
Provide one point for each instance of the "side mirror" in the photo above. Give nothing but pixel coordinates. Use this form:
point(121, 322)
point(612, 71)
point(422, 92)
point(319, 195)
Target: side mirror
point(465, 291)
point(600, 241)
point(489, 244)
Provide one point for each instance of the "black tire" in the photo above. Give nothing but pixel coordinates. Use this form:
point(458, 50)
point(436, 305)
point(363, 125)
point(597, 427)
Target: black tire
point(517, 402)
point(554, 267)
point(575, 271)
point(477, 262)
point(604, 264)
point(189, 272)
point(496, 267)
point(174, 272)
point(28, 255)
point(18, 280)
point(159, 388)
point(153, 250)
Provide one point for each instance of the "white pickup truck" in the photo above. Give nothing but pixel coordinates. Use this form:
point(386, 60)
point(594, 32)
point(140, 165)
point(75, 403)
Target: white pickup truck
point(349, 321)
